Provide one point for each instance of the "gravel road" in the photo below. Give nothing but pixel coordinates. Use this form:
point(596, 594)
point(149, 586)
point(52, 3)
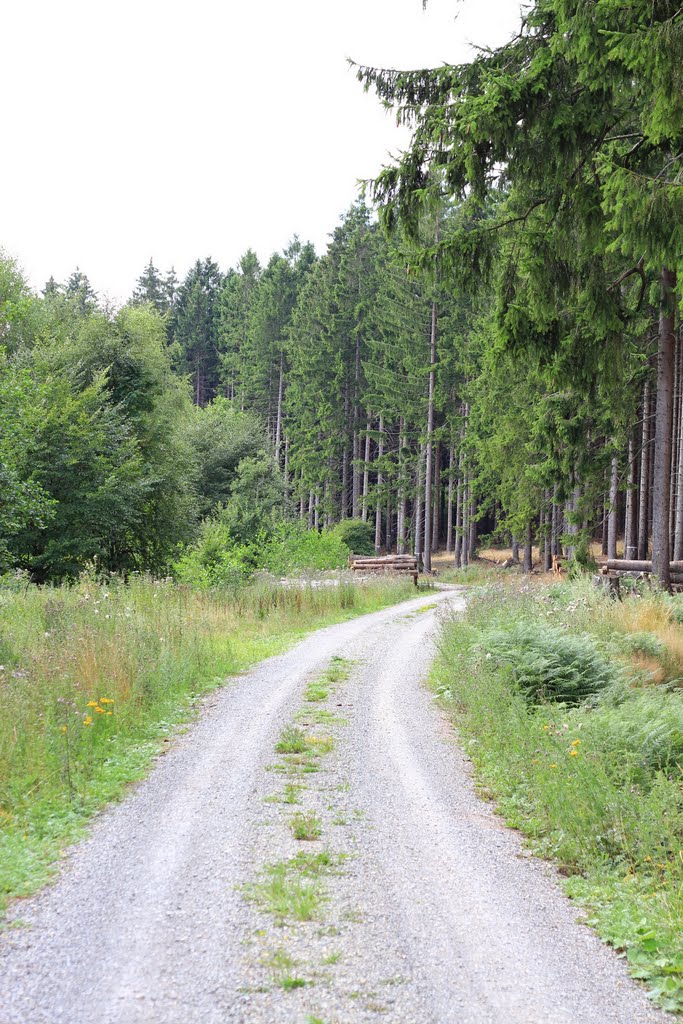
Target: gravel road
point(426, 909)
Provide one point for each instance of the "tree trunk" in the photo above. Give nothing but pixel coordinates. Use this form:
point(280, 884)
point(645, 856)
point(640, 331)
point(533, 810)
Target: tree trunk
point(449, 524)
point(612, 515)
point(285, 471)
point(430, 434)
point(401, 511)
point(663, 423)
point(366, 473)
point(514, 543)
point(472, 545)
point(678, 521)
point(528, 548)
point(643, 496)
point(380, 481)
point(418, 505)
point(355, 486)
point(436, 499)
point(631, 524)
point(344, 497)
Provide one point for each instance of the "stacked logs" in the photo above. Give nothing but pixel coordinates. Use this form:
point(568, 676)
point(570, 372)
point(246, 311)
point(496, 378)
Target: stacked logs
point(386, 563)
point(640, 567)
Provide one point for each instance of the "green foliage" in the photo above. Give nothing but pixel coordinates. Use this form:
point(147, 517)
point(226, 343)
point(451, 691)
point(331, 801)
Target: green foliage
point(594, 785)
point(359, 537)
point(547, 664)
point(293, 549)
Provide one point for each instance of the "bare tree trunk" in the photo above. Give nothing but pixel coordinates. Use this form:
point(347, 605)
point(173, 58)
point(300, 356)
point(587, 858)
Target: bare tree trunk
point(612, 515)
point(436, 499)
point(449, 524)
point(380, 481)
point(302, 500)
point(344, 498)
point(310, 509)
point(514, 543)
point(643, 495)
point(472, 545)
point(316, 512)
point(401, 511)
point(366, 474)
point(430, 434)
point(663, 423)
point(678, 525)
point(548, 540)
point(675, 429)
point(631, 525)
point(418, 505)
point(528, 548)
point(457, 550)
point(465, 545)
point(355, 485)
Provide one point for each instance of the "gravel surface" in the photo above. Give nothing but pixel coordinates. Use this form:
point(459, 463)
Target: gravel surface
point(426, 909)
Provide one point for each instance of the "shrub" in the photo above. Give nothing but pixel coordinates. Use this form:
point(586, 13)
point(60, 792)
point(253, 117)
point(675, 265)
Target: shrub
point(358, 536)
point(547, 664)
point(293, 548)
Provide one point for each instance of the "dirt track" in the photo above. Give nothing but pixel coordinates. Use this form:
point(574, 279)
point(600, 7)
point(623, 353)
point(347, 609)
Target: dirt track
point(430, 912)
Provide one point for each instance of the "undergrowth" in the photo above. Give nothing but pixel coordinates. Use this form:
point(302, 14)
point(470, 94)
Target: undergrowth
point(571, 708)
point(95, 676)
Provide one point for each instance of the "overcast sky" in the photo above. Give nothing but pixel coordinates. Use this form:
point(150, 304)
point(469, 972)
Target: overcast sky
point(179, 130)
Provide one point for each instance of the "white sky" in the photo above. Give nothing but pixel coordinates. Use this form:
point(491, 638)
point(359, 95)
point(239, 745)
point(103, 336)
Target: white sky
point(184, 129)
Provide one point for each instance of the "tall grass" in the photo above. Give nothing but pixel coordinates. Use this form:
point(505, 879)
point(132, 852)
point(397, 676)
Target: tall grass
point(595, 783)
point(93, 676)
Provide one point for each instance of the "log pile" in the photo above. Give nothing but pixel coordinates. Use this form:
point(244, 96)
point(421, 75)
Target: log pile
point(386, 563)
point(638, 568)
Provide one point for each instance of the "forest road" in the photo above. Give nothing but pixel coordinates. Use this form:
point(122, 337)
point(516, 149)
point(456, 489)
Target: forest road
point(423, 908)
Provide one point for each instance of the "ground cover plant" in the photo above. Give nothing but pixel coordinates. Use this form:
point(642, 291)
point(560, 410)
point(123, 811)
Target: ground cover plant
point(95, 676)
point(570, 705)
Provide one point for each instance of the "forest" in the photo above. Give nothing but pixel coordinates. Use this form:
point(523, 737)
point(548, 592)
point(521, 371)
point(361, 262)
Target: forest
point(488, 354)
point(498, 356)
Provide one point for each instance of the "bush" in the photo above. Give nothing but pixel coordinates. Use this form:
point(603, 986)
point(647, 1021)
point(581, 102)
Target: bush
point(358, 536)
point(293, 548)
point(547, 664)
point(216, 560)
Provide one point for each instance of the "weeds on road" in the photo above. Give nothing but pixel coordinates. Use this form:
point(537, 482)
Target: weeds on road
point(292, 889)
point(571, 708)
point(306, 826)
point(95, 676)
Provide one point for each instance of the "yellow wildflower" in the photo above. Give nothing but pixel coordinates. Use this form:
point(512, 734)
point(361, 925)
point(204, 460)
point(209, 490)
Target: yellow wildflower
point(63, 728)
point(91, 704)
point(576, 743)
point(553, 766)
point(110, 712)
point(100, 711)
point(106, 700)
point(546, 727)
point(87, 720)
point(573, 753)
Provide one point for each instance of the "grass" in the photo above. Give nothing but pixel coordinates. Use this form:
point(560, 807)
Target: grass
point(292, 889)
point(338, 670)
point(97, 676)
point(595, 784)
point(306, 826)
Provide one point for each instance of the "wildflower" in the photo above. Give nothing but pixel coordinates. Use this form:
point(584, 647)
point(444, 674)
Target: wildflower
point(553, 766)
point(576, 743)
point(87, 720)
point(101, 711)
point(546, 727)
point(109, 712)
point(91, 704)
point(63, 728)
point(106, 700)
point(574, 753)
